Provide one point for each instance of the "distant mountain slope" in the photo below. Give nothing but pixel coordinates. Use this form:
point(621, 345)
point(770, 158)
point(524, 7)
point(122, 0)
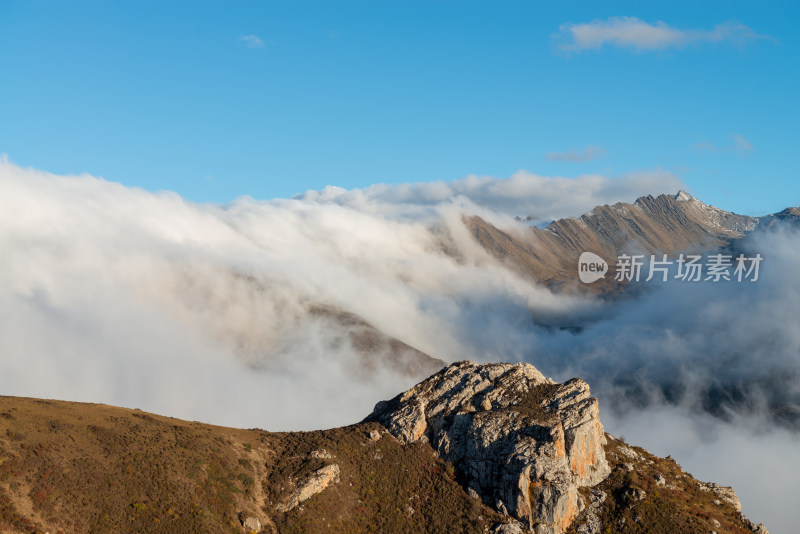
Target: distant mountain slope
point(475, 448)
point(377, 350)
point(664, 224)
point(789, 215)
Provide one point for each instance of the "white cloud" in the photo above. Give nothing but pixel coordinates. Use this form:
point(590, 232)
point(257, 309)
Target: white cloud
point(740, 144)
point(631, 32)
point(252, 41)
point(113, 294)
point(706, 145)
point(142, 292)
point(590, 153)
point(523, 194)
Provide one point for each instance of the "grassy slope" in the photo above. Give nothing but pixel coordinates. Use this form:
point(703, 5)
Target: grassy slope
point(73, 467)
point(76, 467)
point(678, 506)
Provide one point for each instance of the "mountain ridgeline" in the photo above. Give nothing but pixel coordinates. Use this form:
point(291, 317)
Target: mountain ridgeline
point(494, 448)
point(665, 224)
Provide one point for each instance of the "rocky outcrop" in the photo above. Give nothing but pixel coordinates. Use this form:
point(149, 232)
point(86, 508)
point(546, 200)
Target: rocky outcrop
point(723, 494)
point(316, 483)
point(645, 493)
point(522, 442)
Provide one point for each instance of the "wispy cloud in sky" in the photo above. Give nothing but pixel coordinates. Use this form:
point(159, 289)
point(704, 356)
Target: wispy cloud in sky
point(252, 41)
point(639, 35)
point(590, 153)
point(706, 145)
point(741, 144)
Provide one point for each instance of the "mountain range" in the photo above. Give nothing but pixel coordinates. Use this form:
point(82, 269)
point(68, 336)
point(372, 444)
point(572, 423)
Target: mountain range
point(664, 224)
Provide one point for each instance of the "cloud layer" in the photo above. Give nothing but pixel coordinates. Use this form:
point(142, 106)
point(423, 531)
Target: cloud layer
point(117, 295)
point(523, 194)
point(639, 35)
point(740, 144)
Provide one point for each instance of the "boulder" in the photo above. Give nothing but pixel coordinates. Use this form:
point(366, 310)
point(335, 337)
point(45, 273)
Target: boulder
point(252, 524)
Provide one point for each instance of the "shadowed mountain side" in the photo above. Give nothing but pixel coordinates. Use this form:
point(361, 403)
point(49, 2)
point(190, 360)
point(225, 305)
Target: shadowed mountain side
point(377, 350)
point(789, 215)
point(664, 224)
point(269, 326)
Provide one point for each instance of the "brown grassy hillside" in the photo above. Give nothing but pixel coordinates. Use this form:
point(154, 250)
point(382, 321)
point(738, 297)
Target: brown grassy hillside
point(72, 467)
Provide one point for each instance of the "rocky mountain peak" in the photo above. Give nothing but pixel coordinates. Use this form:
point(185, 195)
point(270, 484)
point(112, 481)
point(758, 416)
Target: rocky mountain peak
point(683, 196)
point(521, 442)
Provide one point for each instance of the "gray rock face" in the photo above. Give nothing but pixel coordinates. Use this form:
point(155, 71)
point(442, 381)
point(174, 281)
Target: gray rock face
point(316, 483)
point(321, 454)
point(723, 493)
point(592, 523)
point(524, 443)
point(509, 528)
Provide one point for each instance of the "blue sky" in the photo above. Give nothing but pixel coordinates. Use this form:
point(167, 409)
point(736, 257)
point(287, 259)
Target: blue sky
point(270, 99)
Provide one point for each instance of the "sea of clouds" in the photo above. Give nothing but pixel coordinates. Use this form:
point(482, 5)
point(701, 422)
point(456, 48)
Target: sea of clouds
point(118, 295)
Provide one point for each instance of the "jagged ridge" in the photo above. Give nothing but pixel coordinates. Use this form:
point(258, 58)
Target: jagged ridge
point(664, 224)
